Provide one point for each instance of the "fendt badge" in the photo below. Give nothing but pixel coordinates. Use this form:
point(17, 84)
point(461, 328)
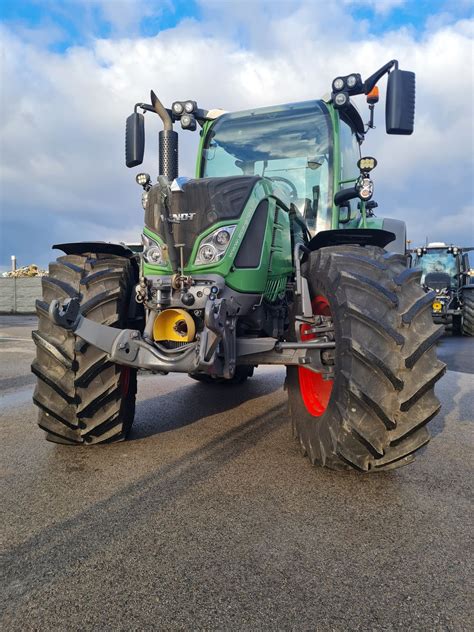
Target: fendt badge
point(179, 217)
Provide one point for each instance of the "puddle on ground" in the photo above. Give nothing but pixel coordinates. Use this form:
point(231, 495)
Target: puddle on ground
point(17, 398)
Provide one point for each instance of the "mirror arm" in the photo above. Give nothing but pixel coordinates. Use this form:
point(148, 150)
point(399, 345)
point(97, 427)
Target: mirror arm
point(373, 79)
point(370, 83)
point(143, 106)
point(343, 196)
point(199, 114)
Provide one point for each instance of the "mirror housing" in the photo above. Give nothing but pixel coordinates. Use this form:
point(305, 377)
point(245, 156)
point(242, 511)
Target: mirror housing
point(134, 139)
point(345, 217)
point(400, 102)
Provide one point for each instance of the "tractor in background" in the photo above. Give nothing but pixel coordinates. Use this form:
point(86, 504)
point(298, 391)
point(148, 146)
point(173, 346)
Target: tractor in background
point(446, 272)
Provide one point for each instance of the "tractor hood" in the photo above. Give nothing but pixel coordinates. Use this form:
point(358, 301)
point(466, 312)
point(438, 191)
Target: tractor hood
point(196, 205)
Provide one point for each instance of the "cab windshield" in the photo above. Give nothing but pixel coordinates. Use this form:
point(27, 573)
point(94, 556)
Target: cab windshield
point(289, 144)
point(438, 260)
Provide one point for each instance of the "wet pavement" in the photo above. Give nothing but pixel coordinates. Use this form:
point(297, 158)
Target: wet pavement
point(209, 518)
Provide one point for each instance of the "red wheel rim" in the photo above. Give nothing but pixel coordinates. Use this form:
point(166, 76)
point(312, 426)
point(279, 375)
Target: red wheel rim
point(315, 391)
point(125, 380)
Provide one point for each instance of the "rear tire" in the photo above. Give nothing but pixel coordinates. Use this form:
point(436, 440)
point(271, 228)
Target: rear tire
point(374, 418)
point(83, 397)
point(468, 313)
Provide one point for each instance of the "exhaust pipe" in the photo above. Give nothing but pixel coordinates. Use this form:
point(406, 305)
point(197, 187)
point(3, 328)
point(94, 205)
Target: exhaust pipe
point(167, 168)
point(167, 142)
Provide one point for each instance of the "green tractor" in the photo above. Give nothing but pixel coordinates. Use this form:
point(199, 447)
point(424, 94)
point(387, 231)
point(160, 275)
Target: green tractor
point(446, 272)
point(271, 255)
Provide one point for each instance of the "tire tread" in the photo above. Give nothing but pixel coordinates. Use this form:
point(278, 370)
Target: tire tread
point(78, 392)
point(386, 365)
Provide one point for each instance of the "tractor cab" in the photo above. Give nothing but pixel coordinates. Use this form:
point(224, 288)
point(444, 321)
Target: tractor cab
point(440, 266)
point(290, 145)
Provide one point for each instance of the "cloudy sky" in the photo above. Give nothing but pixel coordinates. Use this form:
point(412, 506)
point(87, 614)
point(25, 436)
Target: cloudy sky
point(71, 71)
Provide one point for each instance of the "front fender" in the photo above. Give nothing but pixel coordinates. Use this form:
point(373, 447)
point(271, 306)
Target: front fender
point(344, 236)
point(97, 247)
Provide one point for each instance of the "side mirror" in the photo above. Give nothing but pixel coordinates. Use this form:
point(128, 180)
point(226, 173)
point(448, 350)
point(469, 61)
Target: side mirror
point(134, 139)
point(400, 102)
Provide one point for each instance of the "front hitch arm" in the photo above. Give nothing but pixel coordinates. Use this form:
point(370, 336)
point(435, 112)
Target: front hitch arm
point(123, 346)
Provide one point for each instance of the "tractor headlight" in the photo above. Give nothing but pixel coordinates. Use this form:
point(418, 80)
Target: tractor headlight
point(144, 199)
point(155, 255)
point(153, 251)
point(341, 99)
point(188, 122)
point(222, 238)
point(351, 81)
point(338, 84)
point(206, 254)
point(177, 108)
point(365, 188)
point(214, 246)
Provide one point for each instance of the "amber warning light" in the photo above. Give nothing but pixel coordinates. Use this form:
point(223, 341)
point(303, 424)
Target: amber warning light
point(373, 96)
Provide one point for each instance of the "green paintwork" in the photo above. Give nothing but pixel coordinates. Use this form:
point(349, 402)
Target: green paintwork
point(276, 259)
point(336, 156)
point(270, 277)
point(370, 222)
point(206, 127)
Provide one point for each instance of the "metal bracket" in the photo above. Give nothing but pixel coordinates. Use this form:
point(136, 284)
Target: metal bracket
point(272, 351)
point(66, 315)
point(302, 288)
point(127, 347)
point(220, 317)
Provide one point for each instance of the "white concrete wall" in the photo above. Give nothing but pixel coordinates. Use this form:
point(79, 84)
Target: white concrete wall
point(18, 296)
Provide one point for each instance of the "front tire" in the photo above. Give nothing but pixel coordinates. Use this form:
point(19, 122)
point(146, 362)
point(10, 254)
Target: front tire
point(82, 397)
point(373, 416)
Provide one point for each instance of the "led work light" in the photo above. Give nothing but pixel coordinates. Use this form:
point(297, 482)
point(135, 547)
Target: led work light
point(366, 164)
point(143, 179)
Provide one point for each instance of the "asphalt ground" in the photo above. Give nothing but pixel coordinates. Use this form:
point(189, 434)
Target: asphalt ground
point(209, 517)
